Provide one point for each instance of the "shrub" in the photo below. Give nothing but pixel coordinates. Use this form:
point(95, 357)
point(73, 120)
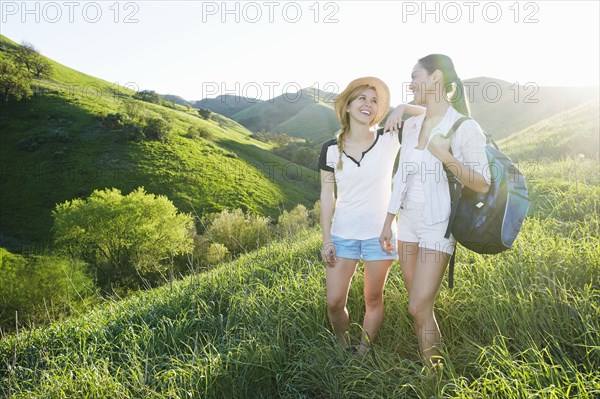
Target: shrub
point(208, 253)
point(296, 220)
point(204, 113)
point(236, 231)
point(40, 288)
point(149, 96)
point(129, 240)
point(158, 129)
point(116, 121)
point(197, 132)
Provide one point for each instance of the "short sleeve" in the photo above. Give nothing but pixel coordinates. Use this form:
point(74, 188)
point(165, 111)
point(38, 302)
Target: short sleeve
point(323, 164)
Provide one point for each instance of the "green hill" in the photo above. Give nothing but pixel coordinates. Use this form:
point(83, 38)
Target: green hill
point(567, 134)
point(226, 104)
point(55, 147)
point(503, 108)
point(273, 115)
point(315, 122)
point(175, 99)
point(266, 115)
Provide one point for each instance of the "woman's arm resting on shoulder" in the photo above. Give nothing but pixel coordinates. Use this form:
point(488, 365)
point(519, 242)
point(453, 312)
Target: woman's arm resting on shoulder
point(393, 121)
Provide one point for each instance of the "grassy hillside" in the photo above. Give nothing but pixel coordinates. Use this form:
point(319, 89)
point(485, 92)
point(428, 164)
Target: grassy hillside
point(503, 108)
point(567, 134)
point(268, 114)
point(55, 147)
point(315, 122)
point(521, 324)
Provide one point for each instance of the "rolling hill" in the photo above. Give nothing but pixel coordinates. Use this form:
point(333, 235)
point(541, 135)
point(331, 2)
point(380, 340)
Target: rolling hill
point(501, 108)
point(56, 146)
point(568, 134)
point(226, 104)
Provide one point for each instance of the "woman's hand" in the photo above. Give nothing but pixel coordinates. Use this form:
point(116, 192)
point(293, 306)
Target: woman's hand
point(385, 240)
point(328, 254)
point(395, 118)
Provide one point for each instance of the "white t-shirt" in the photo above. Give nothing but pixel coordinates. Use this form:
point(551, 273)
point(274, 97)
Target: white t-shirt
point(415, 180)
point(363, 186)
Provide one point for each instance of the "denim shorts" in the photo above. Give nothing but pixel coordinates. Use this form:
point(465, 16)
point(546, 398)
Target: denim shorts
point(368, 250)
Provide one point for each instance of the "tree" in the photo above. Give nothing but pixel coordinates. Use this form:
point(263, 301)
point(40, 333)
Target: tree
point(129, 240)
point(149, 96)
point(15, 82)
point(204, 113)
point(33, 61)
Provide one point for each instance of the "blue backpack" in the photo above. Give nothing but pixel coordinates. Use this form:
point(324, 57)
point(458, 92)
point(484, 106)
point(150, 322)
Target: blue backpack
point(487, 223)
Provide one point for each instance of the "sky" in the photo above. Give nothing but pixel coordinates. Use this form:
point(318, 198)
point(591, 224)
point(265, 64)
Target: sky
point(262, 49)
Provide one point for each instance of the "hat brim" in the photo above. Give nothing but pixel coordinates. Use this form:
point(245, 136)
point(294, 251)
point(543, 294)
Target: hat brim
point(383, 97)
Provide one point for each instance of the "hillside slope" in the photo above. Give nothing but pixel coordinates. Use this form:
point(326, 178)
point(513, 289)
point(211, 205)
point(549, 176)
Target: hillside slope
point(503, 108)
point(55, 147)
point(519, 324)
point(226, 104)
point(567, 134)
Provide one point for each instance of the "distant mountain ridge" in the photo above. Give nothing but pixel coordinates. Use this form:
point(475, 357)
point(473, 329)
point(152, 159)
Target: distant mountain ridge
point(226, 104)
point(503, 108)
point(500, 107)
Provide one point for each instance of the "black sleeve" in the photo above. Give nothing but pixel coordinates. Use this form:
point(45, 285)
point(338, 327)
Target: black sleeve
point(323, 156)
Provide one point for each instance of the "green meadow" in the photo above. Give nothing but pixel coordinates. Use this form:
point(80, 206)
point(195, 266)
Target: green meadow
point(521, 324)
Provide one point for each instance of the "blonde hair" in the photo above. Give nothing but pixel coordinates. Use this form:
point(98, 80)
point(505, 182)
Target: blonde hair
point(345, 120)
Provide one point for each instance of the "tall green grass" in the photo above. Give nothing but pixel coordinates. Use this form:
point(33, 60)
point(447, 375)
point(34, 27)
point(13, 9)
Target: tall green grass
point(522, 324)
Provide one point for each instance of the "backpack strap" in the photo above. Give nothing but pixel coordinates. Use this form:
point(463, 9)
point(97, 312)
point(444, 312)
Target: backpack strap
point(455, 127)
point(455, 190)
point(451, 270)
point(453, 182)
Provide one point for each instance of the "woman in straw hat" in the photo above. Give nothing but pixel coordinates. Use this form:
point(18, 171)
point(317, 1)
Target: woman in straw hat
point(421, 195)
point(359, 163)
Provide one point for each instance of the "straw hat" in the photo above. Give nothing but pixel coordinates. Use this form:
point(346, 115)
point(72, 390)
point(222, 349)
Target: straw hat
point(383, 97)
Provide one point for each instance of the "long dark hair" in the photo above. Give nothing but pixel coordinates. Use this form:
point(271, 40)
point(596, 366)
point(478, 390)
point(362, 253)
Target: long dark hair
point(444, 64)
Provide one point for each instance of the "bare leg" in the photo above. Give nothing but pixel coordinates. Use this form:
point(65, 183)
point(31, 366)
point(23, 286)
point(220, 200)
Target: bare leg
point(338, 277)
point(425, 284)
point(376, 273)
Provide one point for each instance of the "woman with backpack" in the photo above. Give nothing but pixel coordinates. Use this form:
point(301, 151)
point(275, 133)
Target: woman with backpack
point(357, 165)
point(421, 195)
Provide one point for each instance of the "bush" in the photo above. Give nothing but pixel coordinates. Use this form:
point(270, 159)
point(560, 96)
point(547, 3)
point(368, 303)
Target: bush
point(40, 288)
point(158, 129)
point(236, 231)
point(204, 113)
point(315, 213)
point(197, 132)
point(129, 240)
point(208, 253)
point(296, 220)
point(116, 121)
point(149, 96)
